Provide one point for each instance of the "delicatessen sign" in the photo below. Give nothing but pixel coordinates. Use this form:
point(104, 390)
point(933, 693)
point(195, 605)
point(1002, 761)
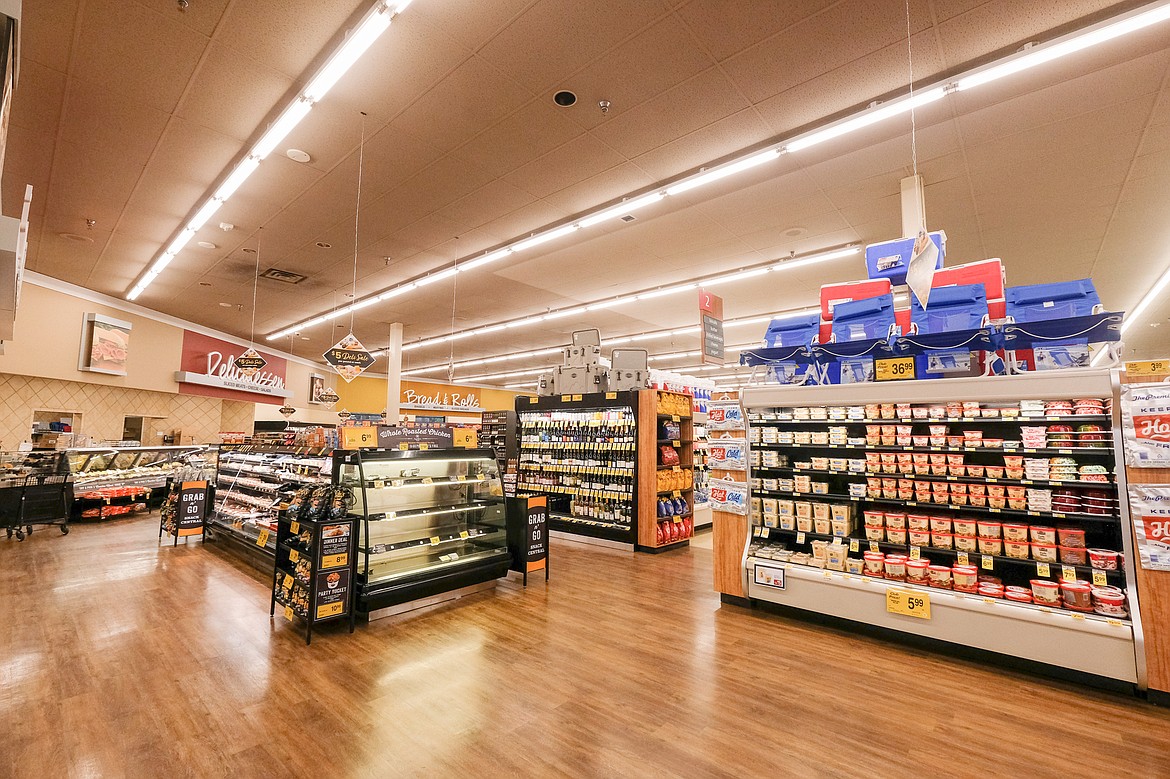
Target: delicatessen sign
point(209, 367)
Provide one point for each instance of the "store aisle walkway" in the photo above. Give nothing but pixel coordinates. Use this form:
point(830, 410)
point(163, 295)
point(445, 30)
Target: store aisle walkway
point(119, 657)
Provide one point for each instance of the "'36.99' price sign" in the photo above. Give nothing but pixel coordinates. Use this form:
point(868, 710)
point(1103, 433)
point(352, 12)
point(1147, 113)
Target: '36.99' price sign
point(893, 369)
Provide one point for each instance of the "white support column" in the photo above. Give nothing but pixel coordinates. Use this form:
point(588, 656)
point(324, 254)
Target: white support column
point(913, 207)
point(394, 375)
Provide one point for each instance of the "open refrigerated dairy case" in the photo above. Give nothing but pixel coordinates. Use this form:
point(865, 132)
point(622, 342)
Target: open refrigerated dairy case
point(988, 513)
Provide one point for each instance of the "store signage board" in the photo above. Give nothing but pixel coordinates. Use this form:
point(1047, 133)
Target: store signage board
point(536, 543)
point(349, 358)
point(250, 363)
point(1145, 425)
point(711, 324)
point(464, 438)
point(1149, 508)
point(105, 345)
point(363, 437)
point(894, 368)
point(436, 398)
point(393, 437)
point(332, 593)
point(335, 545)
point(769, 576)
point(910, 604)
point(192, 508)
point(208, 366)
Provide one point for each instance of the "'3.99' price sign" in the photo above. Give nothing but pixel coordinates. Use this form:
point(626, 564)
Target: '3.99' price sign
point(910, 604)
point(893, 369)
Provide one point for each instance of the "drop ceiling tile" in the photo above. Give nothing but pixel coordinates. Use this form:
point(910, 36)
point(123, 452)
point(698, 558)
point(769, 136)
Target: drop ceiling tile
point(28, 159)
point(555, 38)
point(485, 204)
point(693, 104)
point(288, 35)
point(720, 138)
point(472, 26)
point(204, 19)
point(726, 27)
point(599, 189)
point(109, 124)
point(88, 186)
point(536, 128)
point(234, 94)
point(568, 164)
point(846, 32)
point(165, 52)
point(37, 100)
point(771, 238)
point(43, 28)
point(524, 220)
point(463, 103)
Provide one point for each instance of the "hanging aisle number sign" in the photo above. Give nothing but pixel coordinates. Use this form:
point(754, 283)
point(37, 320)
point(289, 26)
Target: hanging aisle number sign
point(894, 369)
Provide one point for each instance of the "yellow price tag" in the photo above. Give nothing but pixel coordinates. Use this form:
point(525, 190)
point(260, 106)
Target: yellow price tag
point(1079, 616)
point(403, 446)
point(963, 559)
point(854, 545)
point(1099, 578)
point(1043, 571)
point(434, 540)
point(800, 538)
point(1068, 573)
point(288, 613)
point(987, 563)
point(611, 396)
point(765, 532)
point(330, 610)
point(293, 555)
point(288, 582)
point(910, 604)
point(676, 444)
point(874, 546)
point(428, 480)
point(262, 539)
point(674, 418)
point(566, 398)
point(676, 494)
point(294, 527)
point(1147, 368)
point(464, 534)
point(532, 401)
point(577, 397)
point(893, 369)
point(1116, 623)
point(462, 477)
point(423, 446)
point(915, 553)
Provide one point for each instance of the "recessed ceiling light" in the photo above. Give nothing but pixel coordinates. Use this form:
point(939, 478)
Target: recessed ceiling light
point(323, 245)
point(564, 98)
point(75, 237)
point(248, 250)
point(205, 283)
point(304, 337)
point(206, 245)
point(296, 155)
point(796, 232)
point(226, 305)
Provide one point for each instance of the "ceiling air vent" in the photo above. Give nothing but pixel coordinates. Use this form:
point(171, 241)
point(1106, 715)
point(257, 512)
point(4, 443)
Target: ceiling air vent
point(628, 218)
point(288, 277)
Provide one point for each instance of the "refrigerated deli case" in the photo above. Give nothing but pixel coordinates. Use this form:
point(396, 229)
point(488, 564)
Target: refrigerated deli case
point(431, 525)
point(987, 513)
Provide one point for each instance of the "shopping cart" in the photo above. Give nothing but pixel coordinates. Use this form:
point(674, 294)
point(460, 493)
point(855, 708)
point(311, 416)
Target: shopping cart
point(41, 500)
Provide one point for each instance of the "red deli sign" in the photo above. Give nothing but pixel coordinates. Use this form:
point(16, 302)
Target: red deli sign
point(207, 367)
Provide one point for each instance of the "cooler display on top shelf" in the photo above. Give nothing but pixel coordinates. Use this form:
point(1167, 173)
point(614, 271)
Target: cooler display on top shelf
point(950, 309)
point(864, 320)
point(891, 259)
point(1051, 326)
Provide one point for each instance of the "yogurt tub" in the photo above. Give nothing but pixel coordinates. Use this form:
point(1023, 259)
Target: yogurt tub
point(874, 563)
point(992, 546)
point(1018, 594)
point(938, 576)
point(855, 565)
point(989, 529)
point(916, 571)
point(918, 522)
point(1043, 535)
point(1015, 532)
point(940, 524)
point(1109, 601)
point(1017, 549)
point(896, 520)
point(895, 568)
point(964, 526)
point(1074, 555)
point(991, 590)
point(966, 543)
point(942, 540)
point(896, 536)
point(1104, 559)
point(1077, 595)
point(965, 578)
point(875, 533)
point(919, 538)
point(1071, 536)
point(1045, 553)
point(1045, 592)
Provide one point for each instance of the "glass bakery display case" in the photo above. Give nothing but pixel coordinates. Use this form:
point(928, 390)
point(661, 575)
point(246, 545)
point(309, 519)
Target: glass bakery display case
point(15, 467)
point(429, 523)
point(139, 466)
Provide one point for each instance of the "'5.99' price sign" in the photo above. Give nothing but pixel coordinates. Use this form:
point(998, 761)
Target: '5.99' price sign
point(910, 604)
point(893, 369)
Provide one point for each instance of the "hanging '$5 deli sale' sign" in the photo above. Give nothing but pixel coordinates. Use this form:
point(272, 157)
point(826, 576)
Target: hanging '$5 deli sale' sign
point(349, 358)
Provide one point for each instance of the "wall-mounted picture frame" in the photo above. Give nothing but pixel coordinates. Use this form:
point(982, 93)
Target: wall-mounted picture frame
point(105, 345)
point(316, 387)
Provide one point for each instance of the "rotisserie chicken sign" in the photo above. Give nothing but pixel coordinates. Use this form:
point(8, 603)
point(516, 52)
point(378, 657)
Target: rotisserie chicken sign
point(208, 367)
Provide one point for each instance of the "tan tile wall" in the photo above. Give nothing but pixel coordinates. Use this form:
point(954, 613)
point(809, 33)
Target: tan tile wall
point(103, 409)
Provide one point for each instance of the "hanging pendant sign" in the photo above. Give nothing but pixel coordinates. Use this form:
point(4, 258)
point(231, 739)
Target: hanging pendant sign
point(328, 396)
point(920, 270)
point(287, 411)
point(250, 363)
point(349, 358)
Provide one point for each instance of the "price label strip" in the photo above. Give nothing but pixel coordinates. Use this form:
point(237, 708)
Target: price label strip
point(910, 604)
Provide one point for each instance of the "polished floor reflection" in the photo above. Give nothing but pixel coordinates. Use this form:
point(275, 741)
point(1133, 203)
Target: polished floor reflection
point(120, 657)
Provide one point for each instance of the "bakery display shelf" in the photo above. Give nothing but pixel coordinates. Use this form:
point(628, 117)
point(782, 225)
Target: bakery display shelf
point(440, 535)
point(244, 535)
point(1093, 485)
point(433, 511)
point(297, 609)
point(228, 483)
point(925, 505)
point(1020, 420)
point(1115, 577)
point(1098, 451)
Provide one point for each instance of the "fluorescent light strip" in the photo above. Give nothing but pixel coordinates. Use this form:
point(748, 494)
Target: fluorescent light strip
point(1146, 301)
point(870, 117)
point(357, 42)
point(724, 171)
point(621, 209)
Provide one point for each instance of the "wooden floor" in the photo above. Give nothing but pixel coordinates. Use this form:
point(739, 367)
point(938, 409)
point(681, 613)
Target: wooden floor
point(119, 657)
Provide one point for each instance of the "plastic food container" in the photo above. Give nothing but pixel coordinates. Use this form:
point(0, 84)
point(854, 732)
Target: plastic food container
point(822, 526)
point(1045, 592)
point(1045, 553)
point(1077, 595)
point(988, 590)
point(917, 522)
point(1017, 594)
point(804, 524)
point(896, 567)
point(1109, 601)
point(966, 543)
point(976, 471)
point(916, 571)
point(1017, 549)
point(1042, 535)
point(965, 527)
point(1015, 532)
point(919, 538)
point(938, 576)
point(942, 540)
point(940, 524)
point(993, 471)
point(989, 529)
point(874, 517)
point(896, 520)
point(875, 533)
point(855, 565)
point(1071, 536)
point(874, 563)
point(1104, 559)
point(895, 536)
point(990, 546)
point(965, 578)
point(1074, 555)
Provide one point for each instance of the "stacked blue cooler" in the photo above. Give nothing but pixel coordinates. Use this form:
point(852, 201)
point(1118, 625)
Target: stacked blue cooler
point(1050, 326)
